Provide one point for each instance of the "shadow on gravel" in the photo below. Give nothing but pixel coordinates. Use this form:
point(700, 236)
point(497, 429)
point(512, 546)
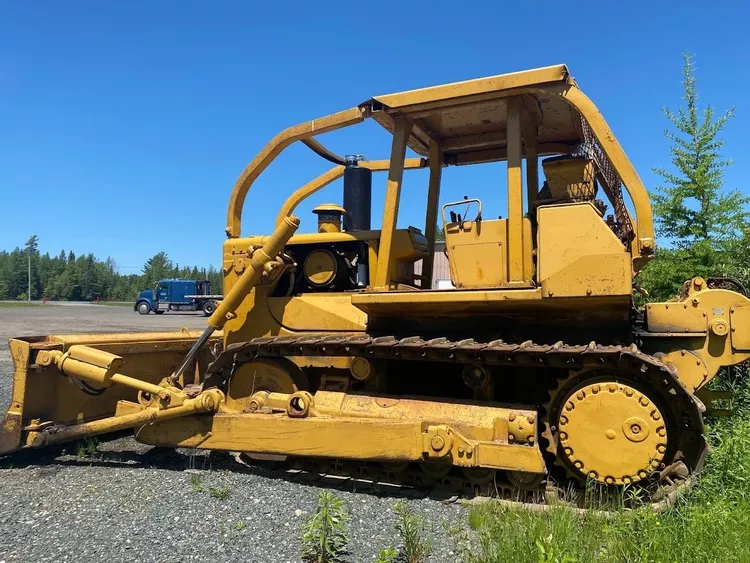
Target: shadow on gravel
point(50, 460)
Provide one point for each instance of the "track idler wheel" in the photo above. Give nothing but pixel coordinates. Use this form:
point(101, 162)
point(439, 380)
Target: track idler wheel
point(611, 432)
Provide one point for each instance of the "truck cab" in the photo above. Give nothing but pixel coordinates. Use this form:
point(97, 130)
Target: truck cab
point(177, 295)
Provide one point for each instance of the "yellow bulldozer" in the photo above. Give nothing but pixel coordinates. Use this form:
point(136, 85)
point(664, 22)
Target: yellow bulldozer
point(332, 350)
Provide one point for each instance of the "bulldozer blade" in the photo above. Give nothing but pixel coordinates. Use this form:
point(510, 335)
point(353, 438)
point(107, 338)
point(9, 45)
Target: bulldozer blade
point(44, 398)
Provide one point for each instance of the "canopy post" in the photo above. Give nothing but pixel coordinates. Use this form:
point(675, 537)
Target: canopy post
point(401, 135)
point(515, 195)
point(433, 197)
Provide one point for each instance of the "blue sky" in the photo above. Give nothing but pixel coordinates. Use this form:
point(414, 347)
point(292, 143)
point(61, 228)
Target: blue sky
point(123, 125)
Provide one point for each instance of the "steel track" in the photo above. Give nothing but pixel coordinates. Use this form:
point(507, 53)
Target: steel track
point(687, 438)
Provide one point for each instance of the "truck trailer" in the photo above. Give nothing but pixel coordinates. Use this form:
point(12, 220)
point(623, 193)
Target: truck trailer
point(177, 295)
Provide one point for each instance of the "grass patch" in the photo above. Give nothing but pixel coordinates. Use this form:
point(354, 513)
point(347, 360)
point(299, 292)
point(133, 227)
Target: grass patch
point(711, 531)
point(18, 304)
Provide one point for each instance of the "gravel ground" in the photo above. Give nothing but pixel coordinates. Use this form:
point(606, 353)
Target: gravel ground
point(130, 502)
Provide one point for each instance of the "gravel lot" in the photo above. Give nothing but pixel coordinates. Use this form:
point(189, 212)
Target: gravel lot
point(133, 503)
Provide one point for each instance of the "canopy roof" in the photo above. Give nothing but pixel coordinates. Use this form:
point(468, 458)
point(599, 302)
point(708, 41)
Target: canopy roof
point(468, 119)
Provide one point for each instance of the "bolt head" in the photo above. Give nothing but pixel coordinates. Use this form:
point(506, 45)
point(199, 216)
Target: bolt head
point(437, 443)
point(511, 417)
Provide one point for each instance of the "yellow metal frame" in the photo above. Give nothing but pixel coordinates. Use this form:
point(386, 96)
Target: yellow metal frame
point(401, 113)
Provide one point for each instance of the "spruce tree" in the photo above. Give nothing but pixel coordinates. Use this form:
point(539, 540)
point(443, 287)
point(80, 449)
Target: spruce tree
point(700, 220)
point(693, 207)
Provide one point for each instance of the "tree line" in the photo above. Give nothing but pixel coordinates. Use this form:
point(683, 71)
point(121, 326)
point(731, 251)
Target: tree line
point(67, 277)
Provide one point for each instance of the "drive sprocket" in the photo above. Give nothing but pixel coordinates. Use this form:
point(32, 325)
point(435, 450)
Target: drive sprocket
point(612, 433)
point(605, 428)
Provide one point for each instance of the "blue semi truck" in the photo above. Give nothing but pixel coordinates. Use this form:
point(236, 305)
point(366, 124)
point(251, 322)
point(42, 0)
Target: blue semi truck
point(177, 295)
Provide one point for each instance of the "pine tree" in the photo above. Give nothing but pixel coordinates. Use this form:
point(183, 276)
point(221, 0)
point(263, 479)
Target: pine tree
point(156, 268)
point(698, 217)
point(693, 207)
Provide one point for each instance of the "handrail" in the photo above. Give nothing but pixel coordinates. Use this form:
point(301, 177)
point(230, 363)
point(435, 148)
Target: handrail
point(273, 149)
point(331, 176)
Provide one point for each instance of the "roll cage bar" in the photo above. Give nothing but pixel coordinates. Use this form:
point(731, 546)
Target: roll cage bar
point(506, 117)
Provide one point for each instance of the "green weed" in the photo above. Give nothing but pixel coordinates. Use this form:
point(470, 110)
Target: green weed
point(87, 448)
point(325, 534)
point(221, 493)
point(196, 482)
point(387, 555)
point(412, 530)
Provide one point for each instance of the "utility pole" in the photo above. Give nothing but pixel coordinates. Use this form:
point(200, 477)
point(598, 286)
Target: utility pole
point(31, 247)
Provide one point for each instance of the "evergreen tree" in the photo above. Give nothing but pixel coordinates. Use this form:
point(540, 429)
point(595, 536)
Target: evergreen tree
point(701, 221)
point(693, 207)
point(156, 268)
